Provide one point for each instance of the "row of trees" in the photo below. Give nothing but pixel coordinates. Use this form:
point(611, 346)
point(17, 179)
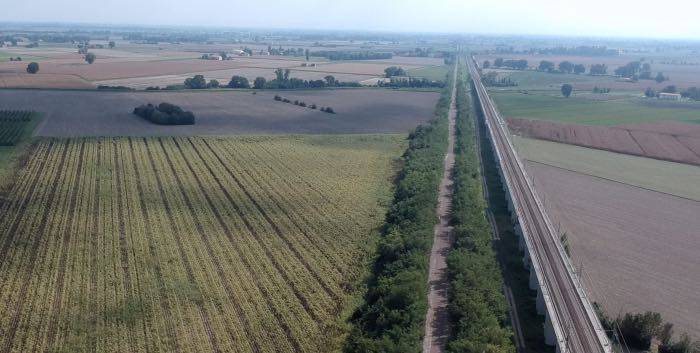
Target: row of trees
point(520, 64)
point(165, 114)
point(282, 80)
point(392, 317)
point(636, 70)
point(566, 67)
point(352, 55)
point(328, 110)
point(412, 82)
point(477, 305)
point(491, 79)
point(638, 330)
point(394, 71)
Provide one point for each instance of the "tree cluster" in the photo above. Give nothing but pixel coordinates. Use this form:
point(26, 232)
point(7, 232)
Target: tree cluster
point(692, 93)
point(165, 114)
point(391, 319)
point(412, 82)
point(566, 90)
point(638, 330)
point(198, 82)
point(394, 71)
point(520, 64)
point(328, 110)
point(565, 67)
point(491, 79)
point(283, 80)
point(477, 305)
point(598, 69)
point(33, 68)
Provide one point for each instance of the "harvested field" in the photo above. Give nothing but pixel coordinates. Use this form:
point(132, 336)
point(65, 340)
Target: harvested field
point(41, 80)
point(682, 180)
point(636, 142)
point(356, 68)
point(224, 76)
point(94, 113)
point(189, 244)
point(636, 248)
point(666, 127)
point(682, 76)
point(554, 107)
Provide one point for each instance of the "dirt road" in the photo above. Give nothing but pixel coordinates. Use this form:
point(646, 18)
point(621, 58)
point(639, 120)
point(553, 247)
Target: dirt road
point(437, 319)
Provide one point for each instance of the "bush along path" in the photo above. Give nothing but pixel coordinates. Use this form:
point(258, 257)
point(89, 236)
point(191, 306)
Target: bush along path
point(477, 306)
point(437, 319)
point(391, 318)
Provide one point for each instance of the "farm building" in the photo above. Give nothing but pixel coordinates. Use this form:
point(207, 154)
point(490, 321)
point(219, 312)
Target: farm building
point(670, 96)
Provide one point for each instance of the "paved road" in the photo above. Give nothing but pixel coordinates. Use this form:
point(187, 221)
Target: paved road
point(437, 320)
point(576, 326)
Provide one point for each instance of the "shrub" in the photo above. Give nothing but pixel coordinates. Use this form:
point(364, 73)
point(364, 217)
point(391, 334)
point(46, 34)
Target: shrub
point(259, 83)
point(392, 316)
point(278, 98)
point(33, 68)
point(165, 114)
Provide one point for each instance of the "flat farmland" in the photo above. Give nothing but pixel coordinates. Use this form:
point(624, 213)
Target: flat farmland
point(248, 244)
point(586, 111)
point(640, 142)
point(94, 113)
point(676, 179)
point(636, 249)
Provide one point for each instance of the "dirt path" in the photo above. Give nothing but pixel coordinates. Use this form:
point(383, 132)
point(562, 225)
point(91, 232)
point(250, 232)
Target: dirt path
point(437, 321)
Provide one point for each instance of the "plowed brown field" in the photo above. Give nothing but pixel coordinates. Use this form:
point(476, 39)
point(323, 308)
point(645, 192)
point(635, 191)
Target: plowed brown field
point(643, 142)
point(637, 249)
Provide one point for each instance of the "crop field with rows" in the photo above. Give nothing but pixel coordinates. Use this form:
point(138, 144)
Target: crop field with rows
point(244, 244)
point(13, 124)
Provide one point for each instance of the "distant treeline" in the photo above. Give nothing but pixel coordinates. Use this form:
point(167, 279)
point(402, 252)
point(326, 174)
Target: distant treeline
point(165, 114)
point(582, 50)
point(411, 82)
point(477, 305)
point(391, 319)
point(352, 55)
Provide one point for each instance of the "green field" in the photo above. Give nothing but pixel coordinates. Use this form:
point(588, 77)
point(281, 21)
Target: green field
point(244, 244)
point(668, 177)
point(435, 73)
point(10, 155)
point(588, 111)
point(538, 80)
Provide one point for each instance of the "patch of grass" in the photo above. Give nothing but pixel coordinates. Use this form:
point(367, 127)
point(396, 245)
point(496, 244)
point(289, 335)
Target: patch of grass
point(435, 73)
point(668, 177)
point(587, 111)
point(11, 156)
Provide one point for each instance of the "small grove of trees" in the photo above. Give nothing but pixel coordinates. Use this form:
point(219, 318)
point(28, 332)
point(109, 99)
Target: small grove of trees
point(598, 69)
point(239, 82)
point(412, 82)
point(196, 82)
point(328, 110)
point(112, 44)
point(165, 114)
point(566, 90)
point(90, 58)
point(350, 55)
point(19, 58)
point(394, 71)
point(546, 66)
point(520, 64)
point(491, 79)
point(33, 68)
point(692, 93)
point(639, 329)
point(486, 64)
point(579, 69)
point(259, 83)
point(566, 67)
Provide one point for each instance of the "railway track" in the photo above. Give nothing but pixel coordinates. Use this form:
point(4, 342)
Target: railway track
point(573, 321)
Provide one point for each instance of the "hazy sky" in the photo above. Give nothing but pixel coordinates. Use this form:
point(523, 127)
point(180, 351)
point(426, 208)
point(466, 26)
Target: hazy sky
point(638, 18)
